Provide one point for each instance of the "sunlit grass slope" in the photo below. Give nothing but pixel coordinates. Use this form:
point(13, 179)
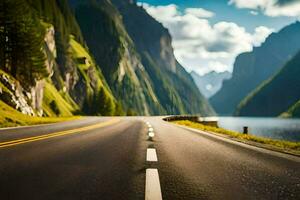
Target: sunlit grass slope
point(95, 84)
point(294, 111)
point(10, 117)
point(55, 105)
point(78, 51)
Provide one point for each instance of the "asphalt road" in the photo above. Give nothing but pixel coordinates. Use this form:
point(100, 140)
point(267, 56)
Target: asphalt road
point(105, 158)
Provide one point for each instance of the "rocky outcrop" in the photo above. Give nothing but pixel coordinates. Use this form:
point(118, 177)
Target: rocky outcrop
point(29, 101)
point(37, 92)
point(13, 94)
point(167, 53)
point(50, 48)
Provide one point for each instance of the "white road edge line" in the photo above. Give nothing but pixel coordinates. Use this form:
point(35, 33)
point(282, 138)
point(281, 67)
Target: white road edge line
point(152, 189)
point(151, 155)
point(245, 145)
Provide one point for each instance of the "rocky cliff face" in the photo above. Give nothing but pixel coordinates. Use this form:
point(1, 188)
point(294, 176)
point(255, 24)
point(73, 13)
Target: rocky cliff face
point(29, 101)
point(14, 95)
point(252, 68)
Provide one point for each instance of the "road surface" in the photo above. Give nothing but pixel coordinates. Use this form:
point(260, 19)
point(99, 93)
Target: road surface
point(106, 158)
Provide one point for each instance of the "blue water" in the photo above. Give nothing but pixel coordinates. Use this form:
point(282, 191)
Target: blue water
point(276, 128)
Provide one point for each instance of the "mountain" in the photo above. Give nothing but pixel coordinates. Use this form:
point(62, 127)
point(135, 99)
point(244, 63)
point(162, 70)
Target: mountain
point(137, 59)
point(275, 96)
point(211, 82)
point(73, 82)
point(75, 72)
point(71, 57)
point(252, 68)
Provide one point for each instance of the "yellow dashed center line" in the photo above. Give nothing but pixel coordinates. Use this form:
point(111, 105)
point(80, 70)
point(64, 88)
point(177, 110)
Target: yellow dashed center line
point(56, 134)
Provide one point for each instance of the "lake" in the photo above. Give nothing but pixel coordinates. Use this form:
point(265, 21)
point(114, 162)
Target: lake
point(276, 128)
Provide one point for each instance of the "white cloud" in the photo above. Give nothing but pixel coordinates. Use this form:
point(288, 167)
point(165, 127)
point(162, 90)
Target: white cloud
point(202, 46)
point(260, 35)
point(273, 8)
point(253, 4)
point(199, 12)
point(161, 13)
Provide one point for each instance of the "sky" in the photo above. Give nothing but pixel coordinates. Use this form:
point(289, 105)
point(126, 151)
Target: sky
point(209, 34)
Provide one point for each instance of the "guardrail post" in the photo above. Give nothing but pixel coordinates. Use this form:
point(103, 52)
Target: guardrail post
point(245, 129)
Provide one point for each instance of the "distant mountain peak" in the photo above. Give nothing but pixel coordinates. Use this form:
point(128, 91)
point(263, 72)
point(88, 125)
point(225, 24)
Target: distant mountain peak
point(211, 82)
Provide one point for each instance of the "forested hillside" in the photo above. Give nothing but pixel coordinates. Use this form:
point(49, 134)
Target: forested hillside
point(64, 79)
point(277, 95)
point(252, 68)
point(60, 58)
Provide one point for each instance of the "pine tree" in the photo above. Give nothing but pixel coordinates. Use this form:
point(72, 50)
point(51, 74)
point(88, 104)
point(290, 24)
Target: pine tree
point(104, 104)
point(5, 29)
point(22, 42)
point(119, 110)
point(101, 102)
point(110, 109)
point(2, 36)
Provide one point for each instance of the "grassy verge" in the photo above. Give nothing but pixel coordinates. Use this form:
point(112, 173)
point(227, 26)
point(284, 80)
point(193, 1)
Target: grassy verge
point(55, 105)
point(293, 147)
point(10, 117)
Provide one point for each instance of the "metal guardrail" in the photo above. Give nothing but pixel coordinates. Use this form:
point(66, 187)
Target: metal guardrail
point(182, 117)
point(194, 118)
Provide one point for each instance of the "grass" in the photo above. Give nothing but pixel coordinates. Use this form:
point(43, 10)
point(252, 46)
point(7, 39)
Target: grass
point(294, 111)
point(78, 51)
point(279, 144)
point(55, 105)
point(9, 117)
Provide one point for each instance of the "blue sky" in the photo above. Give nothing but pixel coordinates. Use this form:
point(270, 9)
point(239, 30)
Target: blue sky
point(226, 12)
point(235, 26)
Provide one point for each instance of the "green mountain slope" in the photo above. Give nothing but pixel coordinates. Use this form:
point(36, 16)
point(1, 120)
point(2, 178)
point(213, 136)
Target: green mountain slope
point(175, 90)
point(75, 83)
point(252, 68)
point(114, 51)
point(143, 81)
point(84, 82)
point(90, 57)
point(276, 95)
point(293, 111)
